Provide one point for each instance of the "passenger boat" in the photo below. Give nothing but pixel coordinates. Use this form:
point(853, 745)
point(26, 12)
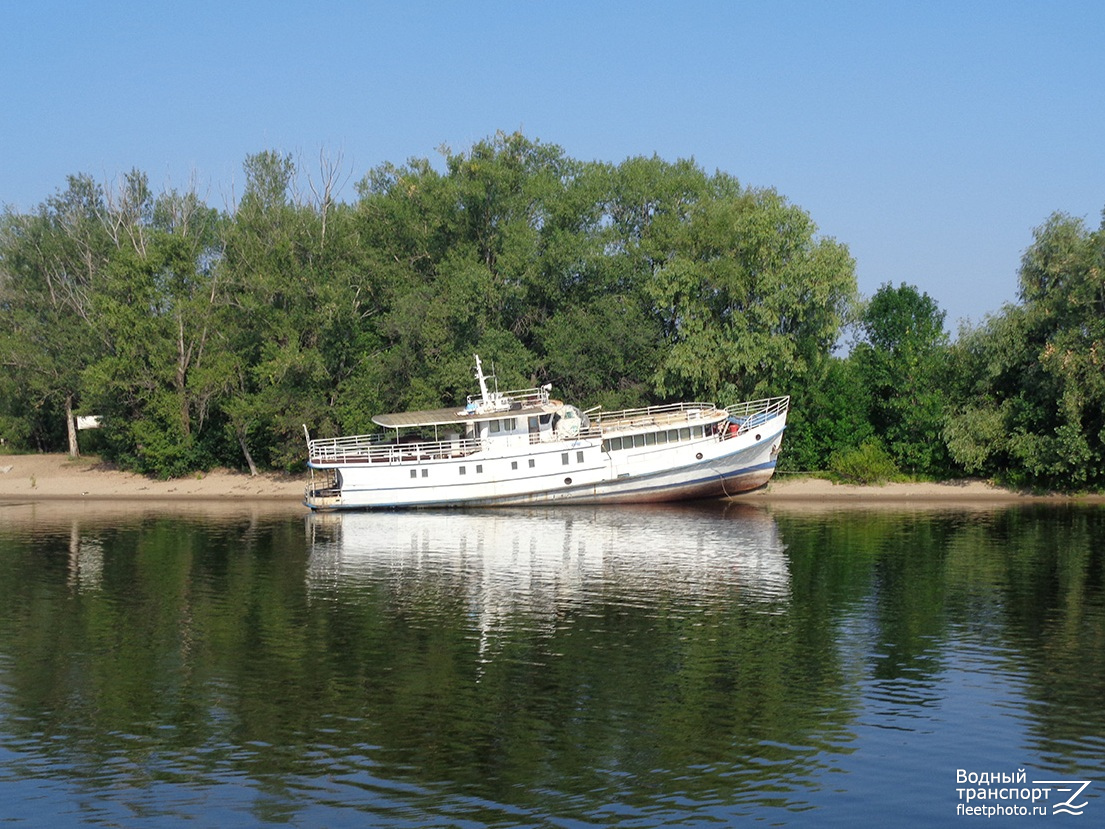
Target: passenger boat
point(523, 447)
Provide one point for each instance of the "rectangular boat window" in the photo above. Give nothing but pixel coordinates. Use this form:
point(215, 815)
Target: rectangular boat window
point(650, 439)
point(564, 459)
point(494, 426)
point(509, 424)
point(425, 473)
point(479, 468)
point(685, 433)
point(661, 437)
point(414, 473)
point(698, 431)
point(579, 457)
point(463, 471)
point(638, 440)
point(531, 463)
point(514, 464)
point(615, 444)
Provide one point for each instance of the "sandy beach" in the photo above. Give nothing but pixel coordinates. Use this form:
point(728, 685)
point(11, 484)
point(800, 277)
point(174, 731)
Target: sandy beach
point(58, 477)
point(50, 477)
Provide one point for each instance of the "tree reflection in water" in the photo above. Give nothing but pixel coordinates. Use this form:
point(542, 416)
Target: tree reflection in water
point(516, 667)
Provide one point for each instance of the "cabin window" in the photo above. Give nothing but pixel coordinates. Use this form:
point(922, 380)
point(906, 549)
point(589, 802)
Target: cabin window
point(514, 464)
point(507, 424)
point(425, 473)
point(579, 457)
point(414, 473)
point(463, 471)
point(698, 431)
point(545, 418)
point(661, 437)
point(685, 433)
point(564, 459)
point(479, 469)
point(531, 463)
point(638, 441)
point(650, 439)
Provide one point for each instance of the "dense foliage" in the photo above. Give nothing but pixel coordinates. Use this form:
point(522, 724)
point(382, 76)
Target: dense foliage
point(206, 337)
point(1031, 381)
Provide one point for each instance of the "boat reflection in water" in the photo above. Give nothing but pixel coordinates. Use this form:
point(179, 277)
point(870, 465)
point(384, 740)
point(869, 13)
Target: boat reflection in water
point(538, 563)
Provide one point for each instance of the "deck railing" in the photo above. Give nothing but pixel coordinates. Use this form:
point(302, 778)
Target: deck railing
point(745, 415)
point(754, 413)
point(379, 449)
point(507, 400)
point(649, 415)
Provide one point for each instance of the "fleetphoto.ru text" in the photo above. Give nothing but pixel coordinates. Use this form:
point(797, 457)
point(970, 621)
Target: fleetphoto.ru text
point(1012, 794)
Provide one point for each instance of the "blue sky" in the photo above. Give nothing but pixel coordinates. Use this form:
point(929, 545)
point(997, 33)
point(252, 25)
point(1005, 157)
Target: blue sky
point(929, 137)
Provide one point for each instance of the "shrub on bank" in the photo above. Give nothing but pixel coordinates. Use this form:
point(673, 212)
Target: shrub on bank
point(867, 463)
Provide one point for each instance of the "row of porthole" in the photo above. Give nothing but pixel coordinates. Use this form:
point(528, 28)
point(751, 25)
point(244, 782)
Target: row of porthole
point(463, 470)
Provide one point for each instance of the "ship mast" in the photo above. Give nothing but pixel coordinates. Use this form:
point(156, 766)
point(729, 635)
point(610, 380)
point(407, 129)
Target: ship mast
point(483, 382)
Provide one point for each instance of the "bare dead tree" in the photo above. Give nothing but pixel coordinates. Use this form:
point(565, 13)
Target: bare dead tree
point(333, 176)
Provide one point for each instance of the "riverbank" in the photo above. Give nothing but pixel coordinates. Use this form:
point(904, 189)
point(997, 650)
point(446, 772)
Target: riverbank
point(58, 477)
point(49, 477)
point(785, 488)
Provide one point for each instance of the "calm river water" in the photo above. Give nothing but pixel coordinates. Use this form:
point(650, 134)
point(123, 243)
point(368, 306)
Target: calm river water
point(693, 666)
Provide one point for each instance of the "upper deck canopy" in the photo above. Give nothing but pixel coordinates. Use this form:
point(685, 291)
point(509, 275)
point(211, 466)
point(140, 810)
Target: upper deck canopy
point(454, 416)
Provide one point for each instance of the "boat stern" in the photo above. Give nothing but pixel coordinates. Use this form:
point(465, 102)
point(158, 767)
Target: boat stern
point(323, 490)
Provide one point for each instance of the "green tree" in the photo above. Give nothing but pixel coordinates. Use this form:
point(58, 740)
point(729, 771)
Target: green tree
point(295, 310)
point(751, 303)
point(901, 364)
point(159, 373)
point(51, 262)
point(467, 262)
point(602, 352)
point(828, 415)
point(1032, 377)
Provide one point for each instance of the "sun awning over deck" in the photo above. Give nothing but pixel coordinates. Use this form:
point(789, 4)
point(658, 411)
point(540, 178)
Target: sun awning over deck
point(429, 417)
point(446, 417)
